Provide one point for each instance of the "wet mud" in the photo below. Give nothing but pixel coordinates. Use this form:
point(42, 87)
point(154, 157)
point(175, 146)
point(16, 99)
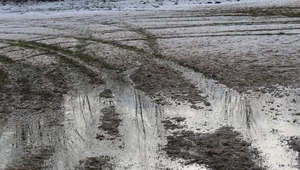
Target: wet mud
point(34, 159)
point(244, 76)
point(294, 143)
point(223, 149)
point(110, 123)
point(160, 82)
point(136, 92)
point(107, 93)
point(95, 163)
point(27, 102)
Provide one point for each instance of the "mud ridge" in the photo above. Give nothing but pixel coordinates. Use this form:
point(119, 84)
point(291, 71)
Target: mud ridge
point(159, 80)
point(77, 60)
point(95, 163)
point(223, 149)
point(294, 143)
point(110, 123)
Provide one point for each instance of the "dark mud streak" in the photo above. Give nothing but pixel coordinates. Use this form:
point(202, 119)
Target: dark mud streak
point(150, 39)
point(174, 123)
point(271, 11)
point(227, 35)
point(31, 97)
point(141, 114)
point(222, 149)
point(249, 119)
point(6, 60)
point(240, 76)
point(294, 143)
point(68, 56)
point(89, 105)
point(107, 93)
point(153, 78)
point(34, 161)
point(95, 163)
point(229, 24)
point(110, 123)
point(114, 43)
point(137, 115)
point(81, 108)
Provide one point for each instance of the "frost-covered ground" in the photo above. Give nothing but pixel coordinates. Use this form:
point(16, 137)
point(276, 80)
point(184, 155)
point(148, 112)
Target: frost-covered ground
point(95, 5)
point(206, 86)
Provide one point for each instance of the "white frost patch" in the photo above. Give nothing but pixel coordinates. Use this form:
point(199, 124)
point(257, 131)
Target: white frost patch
point(85, 5)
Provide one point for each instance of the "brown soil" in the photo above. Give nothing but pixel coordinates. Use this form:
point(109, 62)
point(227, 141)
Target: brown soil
point(110, 123)
point(159, 80)
point(221, 150)
point(95, 163)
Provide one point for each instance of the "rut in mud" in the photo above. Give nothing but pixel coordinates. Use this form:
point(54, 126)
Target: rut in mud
point(112, 92)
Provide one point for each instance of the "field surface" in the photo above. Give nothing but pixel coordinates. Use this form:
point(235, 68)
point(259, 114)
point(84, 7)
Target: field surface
point(212, 87)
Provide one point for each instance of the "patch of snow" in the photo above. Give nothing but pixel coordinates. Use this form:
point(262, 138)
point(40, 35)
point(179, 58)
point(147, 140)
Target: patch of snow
point(46, 8)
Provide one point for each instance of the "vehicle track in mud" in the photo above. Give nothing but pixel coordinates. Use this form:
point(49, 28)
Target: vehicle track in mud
point(57, 111)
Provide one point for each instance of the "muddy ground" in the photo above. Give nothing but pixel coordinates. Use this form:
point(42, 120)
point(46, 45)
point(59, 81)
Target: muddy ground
point(159, 81)
point(201, 88)
point(222, 149)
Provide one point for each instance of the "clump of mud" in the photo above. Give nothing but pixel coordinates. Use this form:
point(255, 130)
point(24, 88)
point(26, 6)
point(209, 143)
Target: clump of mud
point(93, 163)
point(159, 80)
point(110, 123)
point(107, 93)
point(294, 143)
point(33, 160)
point(222, 149)
point(174, 123)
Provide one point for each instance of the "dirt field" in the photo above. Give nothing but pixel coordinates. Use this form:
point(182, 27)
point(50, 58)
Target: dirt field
point(210, 88)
